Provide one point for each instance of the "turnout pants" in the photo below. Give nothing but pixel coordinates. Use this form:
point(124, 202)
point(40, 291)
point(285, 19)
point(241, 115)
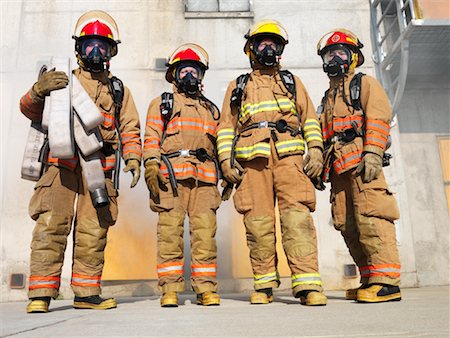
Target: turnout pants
point(52, 207)
point(364, 213)
point(200, 202)
point(265, 181)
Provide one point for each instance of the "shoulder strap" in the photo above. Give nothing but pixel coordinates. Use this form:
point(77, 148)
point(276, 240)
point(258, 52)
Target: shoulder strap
point(166, 107)
point(321, 107)
point(355, 91)
point(117, 91)
point(238, 92)
point(289, 82)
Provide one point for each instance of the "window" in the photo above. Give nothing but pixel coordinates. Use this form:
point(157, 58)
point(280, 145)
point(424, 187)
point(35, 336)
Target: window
point(218, 8)
point(444, 151)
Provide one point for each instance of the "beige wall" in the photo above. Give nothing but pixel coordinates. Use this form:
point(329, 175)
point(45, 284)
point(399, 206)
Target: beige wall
point(32, 31)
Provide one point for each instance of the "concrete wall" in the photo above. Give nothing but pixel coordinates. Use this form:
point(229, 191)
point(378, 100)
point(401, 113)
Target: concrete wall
point(33, 31)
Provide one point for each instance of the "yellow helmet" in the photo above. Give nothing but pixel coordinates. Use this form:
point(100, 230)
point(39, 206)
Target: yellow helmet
point(271, 28)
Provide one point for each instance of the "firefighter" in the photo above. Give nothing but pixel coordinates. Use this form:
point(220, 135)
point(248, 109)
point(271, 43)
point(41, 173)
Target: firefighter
point(267, 121)
point(52, 205)
point(181, 174)
point(355, 126)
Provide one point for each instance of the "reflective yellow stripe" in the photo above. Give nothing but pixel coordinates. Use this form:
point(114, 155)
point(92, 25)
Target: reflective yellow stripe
point(306, 278)
point(260, 148)
point(224, 146)
point(268, 277)
point(250, 109)
point(290, 145)
point(312, 131)
point(226, 133)
point(224, 140)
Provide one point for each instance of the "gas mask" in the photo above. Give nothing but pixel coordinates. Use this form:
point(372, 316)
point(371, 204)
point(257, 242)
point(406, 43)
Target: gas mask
point(267, 57)
point(336, 67)
point(189, 84)
point(95, 53)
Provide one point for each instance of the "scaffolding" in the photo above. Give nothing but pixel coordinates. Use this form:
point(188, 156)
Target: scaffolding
point(405, 43)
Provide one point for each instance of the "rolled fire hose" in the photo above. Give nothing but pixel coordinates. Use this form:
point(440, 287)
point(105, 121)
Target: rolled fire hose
point(60, 127)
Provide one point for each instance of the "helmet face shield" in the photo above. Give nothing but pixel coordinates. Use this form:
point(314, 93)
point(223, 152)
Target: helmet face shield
point(267, 50)
point(267, 41)
point(94, 53)
point(337, 50)
point(89, 44)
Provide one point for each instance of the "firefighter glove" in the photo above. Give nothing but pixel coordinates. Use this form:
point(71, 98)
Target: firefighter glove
point(135, 167)
point(313, 164)
point(153, 177)
point(370, 167)
point(49, 81)
point(232, 175)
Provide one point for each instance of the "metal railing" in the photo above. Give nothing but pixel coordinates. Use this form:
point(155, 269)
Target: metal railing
point(389, 23)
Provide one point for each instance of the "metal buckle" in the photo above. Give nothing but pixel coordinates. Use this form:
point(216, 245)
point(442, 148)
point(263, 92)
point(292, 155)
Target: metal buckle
point(263, 124)
point(184, 152)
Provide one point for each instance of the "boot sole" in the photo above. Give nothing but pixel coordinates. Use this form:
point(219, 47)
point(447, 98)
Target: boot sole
point(396, 297)
point(36, 310)
point(212, 303)
point(304, 302)
point(260, 302)
point(106, 305)
point(169, 305)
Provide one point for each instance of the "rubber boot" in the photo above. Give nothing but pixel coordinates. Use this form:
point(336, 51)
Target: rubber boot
point(263, 296)
point(377, 293)
point(208, 298)
point(169, 299)
point(311, 298)
point(350, 294)
point(38, 305)
point(94, 303)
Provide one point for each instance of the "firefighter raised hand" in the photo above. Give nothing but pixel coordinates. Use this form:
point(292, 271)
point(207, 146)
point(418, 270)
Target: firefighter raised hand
point(232, 175)
point(135, 167)
point(313, 164)
point(49, 81)
point(370, 167)
point(154, 178)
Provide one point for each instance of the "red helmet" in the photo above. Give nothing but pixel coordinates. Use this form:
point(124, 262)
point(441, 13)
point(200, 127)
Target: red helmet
point(96, 24)
point(189, 52)
point(342, 37)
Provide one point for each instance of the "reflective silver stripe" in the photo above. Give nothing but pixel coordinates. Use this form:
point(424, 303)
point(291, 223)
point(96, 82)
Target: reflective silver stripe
point(266, 278)
point(380, 270)
point(306, 279)
point(44, 282)
point(205, 173)
point(87, 281)
point(348, 159)
point(204, 270)
point(170, 268)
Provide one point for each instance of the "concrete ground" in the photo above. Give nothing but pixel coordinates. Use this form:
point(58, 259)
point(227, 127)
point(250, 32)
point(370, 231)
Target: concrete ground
point(423, 312)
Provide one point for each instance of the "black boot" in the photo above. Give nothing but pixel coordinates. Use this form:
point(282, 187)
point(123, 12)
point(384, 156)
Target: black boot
point(94, 302)
point(377, 293)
